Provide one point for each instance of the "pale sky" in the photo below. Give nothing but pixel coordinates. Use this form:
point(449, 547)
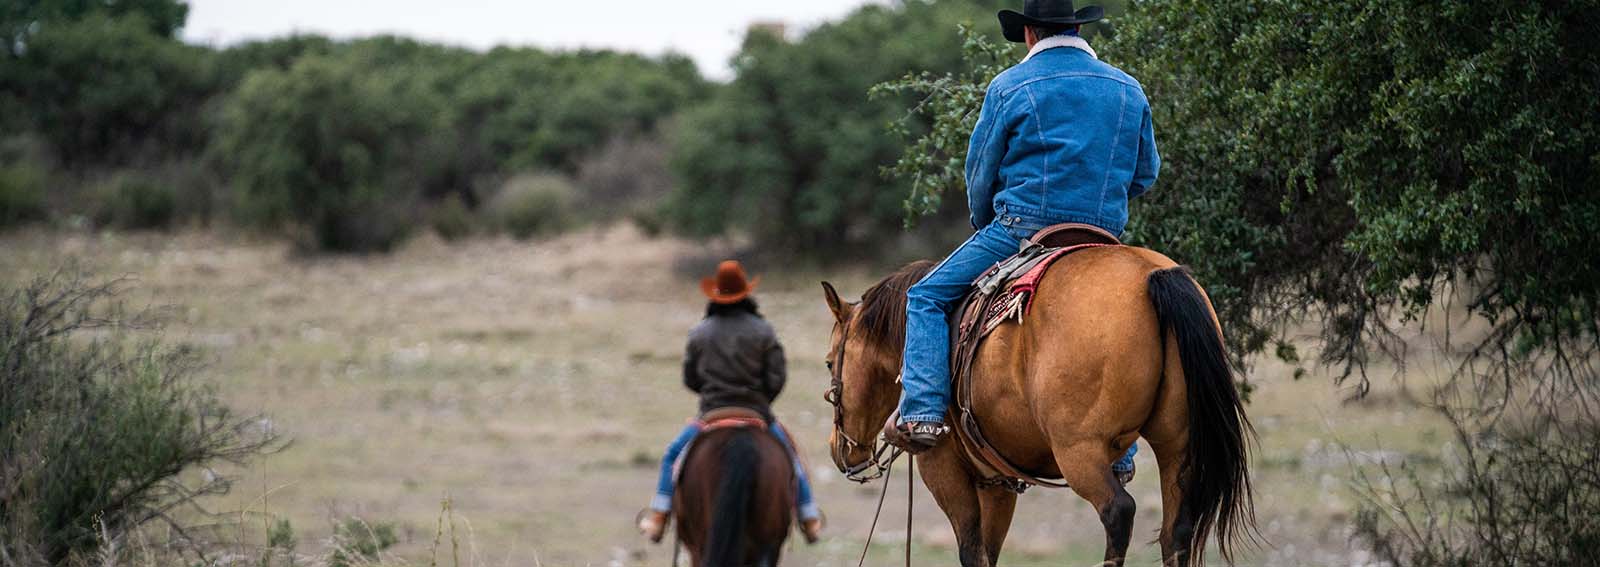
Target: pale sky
point(706, 30)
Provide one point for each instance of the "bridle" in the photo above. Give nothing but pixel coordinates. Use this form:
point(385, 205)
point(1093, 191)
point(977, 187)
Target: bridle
point(876, 466)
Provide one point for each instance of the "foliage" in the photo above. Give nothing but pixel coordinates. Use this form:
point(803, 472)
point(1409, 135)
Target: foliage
point(536, 110)
point(790, 151)
point(936, 161)
point(95, 86)
point(533, 205)
point(451, 219)
point(21, 19)
point(626, 173)
point(22, 194)
point(94, 433)
point(359, 542)
point(135, 201)
point(307, 148)
point(1524, 493)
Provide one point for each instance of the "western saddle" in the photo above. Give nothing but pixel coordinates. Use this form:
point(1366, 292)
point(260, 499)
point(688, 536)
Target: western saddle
point(1000, 295)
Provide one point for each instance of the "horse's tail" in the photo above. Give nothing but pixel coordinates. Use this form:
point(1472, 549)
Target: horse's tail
point(1214, 477)
point(741, 463)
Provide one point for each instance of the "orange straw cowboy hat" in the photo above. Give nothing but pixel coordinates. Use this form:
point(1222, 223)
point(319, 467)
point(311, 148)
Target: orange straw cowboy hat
point(730, 285)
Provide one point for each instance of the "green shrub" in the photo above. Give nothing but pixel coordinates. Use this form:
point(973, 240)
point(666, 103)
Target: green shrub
point(329, 150)
point(22, 192)
point(95, 433)
point(135, 201)
point(357, 541)
point(534, 205)
point(451, 219)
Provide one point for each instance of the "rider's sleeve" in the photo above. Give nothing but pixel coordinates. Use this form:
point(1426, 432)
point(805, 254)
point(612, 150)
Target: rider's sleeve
point(775, 369)
point(1144, 174)
point(984, 151)
point(691, 378)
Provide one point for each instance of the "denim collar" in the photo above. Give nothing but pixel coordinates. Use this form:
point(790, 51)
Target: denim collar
point(1062, 40)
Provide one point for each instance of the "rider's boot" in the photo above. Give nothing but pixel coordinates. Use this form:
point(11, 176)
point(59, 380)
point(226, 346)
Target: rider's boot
point(1124, 477)
point(653, 524)
point(811, 529)
point(914, 436)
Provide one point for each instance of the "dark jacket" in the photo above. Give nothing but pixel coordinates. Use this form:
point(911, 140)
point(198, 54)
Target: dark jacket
point(734, 359)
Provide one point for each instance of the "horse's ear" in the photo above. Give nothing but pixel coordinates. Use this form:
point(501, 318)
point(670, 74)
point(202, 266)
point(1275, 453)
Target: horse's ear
point(841, 310)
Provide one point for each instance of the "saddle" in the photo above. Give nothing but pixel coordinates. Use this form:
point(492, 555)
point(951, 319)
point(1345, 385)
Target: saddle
point(1001, 295)
point(731, 416)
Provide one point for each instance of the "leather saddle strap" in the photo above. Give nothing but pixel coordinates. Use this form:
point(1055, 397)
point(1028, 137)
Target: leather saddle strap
point(971, 332)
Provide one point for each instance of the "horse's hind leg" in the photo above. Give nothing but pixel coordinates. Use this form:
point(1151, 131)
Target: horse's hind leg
point(1177, 525)
point(1087, 468)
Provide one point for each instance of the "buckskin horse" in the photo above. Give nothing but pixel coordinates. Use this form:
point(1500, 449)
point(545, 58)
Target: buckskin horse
point(735, 494)
point(1119, 343)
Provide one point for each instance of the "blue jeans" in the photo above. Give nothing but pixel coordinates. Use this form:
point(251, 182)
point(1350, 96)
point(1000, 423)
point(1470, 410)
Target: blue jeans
point(925, 370)
point(662, 502)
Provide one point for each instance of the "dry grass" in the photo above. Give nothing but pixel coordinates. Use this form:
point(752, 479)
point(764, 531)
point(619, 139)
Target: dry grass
point(534, 384)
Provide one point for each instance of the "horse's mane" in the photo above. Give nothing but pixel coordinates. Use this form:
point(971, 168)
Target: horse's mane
point(883, 306)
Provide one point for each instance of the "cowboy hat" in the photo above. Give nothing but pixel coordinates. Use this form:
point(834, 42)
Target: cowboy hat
point(730, 285)
point(1045, 14)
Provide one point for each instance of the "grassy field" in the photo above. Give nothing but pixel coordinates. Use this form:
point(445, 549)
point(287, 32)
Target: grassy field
point(534, 385)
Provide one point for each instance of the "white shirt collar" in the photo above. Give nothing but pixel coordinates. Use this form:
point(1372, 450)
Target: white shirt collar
point(1062, 40)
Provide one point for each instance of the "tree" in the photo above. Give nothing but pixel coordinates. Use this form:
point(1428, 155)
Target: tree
point(328, 149)
point(100, 89)
point(21, 19)
point(790, 151)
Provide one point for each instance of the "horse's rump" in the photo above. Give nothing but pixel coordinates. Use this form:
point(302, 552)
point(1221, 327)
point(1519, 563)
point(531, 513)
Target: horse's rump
point(735, 496)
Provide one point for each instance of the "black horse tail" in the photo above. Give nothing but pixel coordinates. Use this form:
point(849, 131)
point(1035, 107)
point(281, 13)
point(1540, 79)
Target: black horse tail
point(730, 507)
point(1214, 478)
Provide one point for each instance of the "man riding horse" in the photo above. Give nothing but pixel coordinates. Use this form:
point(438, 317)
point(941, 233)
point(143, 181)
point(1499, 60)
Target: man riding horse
point(1062, 138)
point(1072, 348)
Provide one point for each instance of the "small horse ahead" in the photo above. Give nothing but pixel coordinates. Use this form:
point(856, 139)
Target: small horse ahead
point(1118, 343)
point(736, 493)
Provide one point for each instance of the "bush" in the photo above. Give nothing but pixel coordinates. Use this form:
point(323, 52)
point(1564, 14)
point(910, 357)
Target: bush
point(329, 151)
point(451, 219)
point(22, 193)
point(534, 205)
point(626, 176)
point(358, 542)
point(135, 201)
point(103, 90)
point(94, 434)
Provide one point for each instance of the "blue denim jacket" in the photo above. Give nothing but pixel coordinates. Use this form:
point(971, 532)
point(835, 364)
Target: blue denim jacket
point(1062, 137)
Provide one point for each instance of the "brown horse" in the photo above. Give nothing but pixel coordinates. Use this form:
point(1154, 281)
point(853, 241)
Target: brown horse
point(1120, 343)
point(735, 497)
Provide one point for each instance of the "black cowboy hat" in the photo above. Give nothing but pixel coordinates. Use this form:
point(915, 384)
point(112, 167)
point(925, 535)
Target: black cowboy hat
point(1051, 14)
